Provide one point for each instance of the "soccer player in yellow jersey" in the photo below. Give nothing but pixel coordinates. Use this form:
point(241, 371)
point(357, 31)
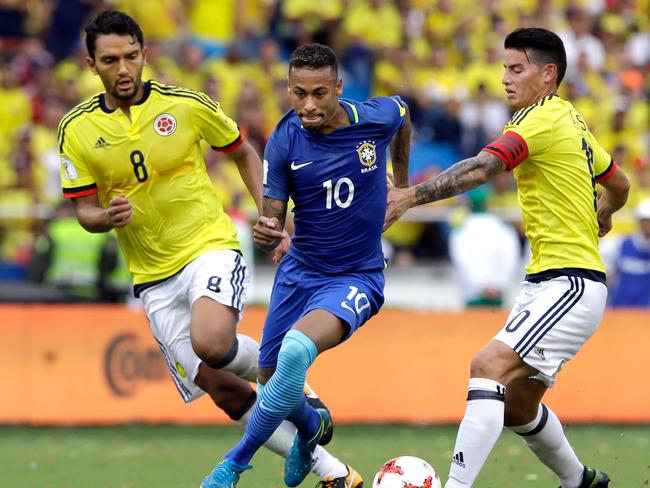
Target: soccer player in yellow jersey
point(131, 161)
point(556, 163)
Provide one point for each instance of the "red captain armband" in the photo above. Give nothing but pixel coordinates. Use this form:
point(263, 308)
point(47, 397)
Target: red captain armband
point(230, 147)
point(80, 191)
point(604, 176)
point(511, 148)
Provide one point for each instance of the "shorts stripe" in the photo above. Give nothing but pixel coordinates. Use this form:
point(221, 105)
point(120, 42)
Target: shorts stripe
point(182, 389)
point(560, 307)
point(580, 283)
point(240, 284)
point(237, 283)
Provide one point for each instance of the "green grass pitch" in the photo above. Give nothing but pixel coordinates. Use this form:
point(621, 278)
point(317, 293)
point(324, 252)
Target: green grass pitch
point(178, 457)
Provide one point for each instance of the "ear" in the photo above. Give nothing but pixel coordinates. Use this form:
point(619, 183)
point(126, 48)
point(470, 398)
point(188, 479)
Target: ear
point(91, 63)
point(144, 54)
point(339, 87)
point(549, 73)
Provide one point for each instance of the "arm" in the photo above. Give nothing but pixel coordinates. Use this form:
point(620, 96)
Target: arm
point(250, 169)
point(400, 147)
point(461, 177)
point(611, 199)
point(269, 229)
point(94, 218)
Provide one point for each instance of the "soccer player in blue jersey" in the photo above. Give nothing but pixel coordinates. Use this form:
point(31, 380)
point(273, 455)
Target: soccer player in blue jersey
point(329, 156)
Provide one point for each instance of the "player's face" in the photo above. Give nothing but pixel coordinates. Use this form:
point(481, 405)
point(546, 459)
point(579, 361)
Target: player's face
point(118, 62)
point(524, 81)
point(314, 96)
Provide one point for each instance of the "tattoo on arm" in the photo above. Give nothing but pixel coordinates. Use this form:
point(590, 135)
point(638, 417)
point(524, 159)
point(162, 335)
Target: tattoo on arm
point(400, 148)
point(461, 177)
point(275, 208)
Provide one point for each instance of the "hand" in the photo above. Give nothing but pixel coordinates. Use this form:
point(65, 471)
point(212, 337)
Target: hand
point(266, 234)
point(282, 249)
point(119, 211)
point(604, 216)
point(604, 223)
point(397, 204)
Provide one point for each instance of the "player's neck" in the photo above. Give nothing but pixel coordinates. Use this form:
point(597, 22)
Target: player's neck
point(113, 103)
point(340, 119)
point(544, 93)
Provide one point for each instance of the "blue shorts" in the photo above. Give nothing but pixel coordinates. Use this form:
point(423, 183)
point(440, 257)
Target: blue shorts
point(298, 289)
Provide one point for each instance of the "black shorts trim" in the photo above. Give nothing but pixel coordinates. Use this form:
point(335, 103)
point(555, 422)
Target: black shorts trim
point(549, 274)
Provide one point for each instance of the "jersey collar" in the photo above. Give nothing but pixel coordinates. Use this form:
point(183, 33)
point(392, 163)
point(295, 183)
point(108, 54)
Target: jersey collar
point(145, 96)
point(351, 109)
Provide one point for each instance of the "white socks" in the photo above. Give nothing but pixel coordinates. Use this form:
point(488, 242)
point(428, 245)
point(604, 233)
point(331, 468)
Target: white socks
point(545, 437)
point(323, 463)
point(244, 361)
point(478, 432)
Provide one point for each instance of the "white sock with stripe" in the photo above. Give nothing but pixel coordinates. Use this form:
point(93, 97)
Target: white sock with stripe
point(478, 432)
point(242, 358)
point(545, 437)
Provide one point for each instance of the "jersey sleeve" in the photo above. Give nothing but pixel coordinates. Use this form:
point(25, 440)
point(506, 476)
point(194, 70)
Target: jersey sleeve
point(276, 177)
point(522, 137)
point(604, 165)
point(76, 179)
point(214, 126)
point(388, 111)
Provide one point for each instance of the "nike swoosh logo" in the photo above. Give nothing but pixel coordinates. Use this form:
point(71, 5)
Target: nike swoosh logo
point(295, 166)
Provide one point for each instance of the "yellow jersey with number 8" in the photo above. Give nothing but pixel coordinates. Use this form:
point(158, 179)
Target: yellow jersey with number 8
point(155, 159)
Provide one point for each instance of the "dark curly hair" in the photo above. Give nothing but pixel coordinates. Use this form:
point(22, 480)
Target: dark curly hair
point(313, 56)
point(111, 22)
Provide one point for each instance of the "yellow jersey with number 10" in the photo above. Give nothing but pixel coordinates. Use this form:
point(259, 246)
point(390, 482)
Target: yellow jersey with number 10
point(155, 159)
point(556, 162)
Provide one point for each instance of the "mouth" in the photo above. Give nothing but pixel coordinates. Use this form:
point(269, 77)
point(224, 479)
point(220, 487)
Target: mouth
point(125, 84)
point(310, 118)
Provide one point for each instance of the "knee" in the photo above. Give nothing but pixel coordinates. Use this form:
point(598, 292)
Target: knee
point(480, 367)
point(297, 349)
point(213, 346)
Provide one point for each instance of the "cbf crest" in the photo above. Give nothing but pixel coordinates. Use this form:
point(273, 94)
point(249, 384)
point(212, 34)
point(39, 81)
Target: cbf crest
point(367, 155)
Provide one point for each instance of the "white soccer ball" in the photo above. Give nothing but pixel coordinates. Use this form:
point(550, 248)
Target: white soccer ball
point(406, 472)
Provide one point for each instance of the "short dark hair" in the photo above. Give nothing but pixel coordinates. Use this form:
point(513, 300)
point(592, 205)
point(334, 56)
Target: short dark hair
point(314, 56)
point(546, 47)
point(111, 22)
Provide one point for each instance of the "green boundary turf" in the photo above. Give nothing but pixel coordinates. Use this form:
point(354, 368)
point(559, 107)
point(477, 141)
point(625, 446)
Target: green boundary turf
point(178, 457)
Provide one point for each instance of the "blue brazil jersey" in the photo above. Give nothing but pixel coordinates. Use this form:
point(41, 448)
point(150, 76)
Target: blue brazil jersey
point(337, 182)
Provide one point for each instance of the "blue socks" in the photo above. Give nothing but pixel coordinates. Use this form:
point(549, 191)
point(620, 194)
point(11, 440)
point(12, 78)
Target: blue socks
point(282, 398)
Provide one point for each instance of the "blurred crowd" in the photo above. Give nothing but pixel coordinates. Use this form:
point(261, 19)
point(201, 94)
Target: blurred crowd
point(443, 57)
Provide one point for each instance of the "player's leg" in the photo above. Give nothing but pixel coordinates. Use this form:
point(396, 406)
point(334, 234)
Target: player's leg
point(492, 368)
point(217, 293)
point(296, 298)
point(541, 430)
point(236, 398)
point(351, 299)
point(561, 340)
point(288, 298)
point(283, 395)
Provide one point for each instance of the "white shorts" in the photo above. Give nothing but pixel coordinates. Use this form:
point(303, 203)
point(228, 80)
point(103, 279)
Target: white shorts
point(551, 320)
point(220, 275)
